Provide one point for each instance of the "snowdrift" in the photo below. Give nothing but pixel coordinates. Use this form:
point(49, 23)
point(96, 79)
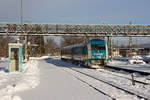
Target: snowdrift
point(19, 81)
point(136, 60)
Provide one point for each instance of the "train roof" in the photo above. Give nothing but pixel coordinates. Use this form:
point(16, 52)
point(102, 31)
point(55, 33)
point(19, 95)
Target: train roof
point(76, 45)
point(80, 44)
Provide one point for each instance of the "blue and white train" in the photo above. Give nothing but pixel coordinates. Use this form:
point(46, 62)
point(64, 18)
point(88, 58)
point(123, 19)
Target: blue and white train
point(93, 53)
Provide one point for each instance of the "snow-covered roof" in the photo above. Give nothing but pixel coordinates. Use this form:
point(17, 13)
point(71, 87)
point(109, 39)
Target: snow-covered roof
point(80, 44)
point(15, 44)
point(76, 45)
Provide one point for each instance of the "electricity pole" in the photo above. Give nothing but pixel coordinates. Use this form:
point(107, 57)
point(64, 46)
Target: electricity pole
point(111, 49)
point(21, 18)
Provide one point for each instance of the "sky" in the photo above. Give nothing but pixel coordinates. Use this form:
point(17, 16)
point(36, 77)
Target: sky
point(76, 11)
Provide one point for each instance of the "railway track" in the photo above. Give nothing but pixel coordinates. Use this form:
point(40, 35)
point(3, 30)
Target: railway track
point(77, 72)
point(129, 91)
point(121, 76)
point(91, 85)
point(128, 70)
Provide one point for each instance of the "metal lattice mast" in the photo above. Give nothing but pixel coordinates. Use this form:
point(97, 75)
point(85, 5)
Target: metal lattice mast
point(130, 46)
point(21, 17)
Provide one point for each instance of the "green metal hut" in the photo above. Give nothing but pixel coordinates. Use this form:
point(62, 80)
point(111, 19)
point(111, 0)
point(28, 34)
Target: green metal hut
point(15, 57)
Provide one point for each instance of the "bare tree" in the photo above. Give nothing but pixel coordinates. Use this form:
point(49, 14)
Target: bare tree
point(4, 41)
point(66, 41)
point(51, 47)
point(39, 49)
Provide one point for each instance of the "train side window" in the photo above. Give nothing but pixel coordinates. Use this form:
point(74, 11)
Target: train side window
point(77, 50)
point(85, 50)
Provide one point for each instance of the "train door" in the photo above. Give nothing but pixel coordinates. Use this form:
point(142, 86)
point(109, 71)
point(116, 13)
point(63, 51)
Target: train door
point(89, 54)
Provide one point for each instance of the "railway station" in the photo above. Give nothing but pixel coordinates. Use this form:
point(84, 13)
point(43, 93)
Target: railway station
point(74, 50)
point(96, 67)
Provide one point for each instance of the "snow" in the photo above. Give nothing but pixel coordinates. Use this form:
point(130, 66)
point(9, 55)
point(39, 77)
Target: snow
point(37, 58)
point(128, 63)
point(56, 84)
point(138, 89)
point(136, 59)
point(43, 80)
point(51, 78)
point(14, 82)
point(107, 89)
point(148, 77)
point(132, 60)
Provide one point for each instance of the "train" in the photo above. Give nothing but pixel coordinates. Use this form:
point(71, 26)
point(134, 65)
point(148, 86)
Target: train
point(93, 53)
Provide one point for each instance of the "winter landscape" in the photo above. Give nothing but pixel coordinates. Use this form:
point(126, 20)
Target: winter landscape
point(53, 79)
point(74, 50)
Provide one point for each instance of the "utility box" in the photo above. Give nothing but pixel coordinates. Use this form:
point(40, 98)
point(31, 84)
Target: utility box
point(15, 57)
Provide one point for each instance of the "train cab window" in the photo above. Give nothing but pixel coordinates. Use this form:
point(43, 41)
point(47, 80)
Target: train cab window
point(98, 47)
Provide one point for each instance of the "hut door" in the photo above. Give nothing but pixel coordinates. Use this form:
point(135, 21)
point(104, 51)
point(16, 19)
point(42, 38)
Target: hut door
point(14, 59)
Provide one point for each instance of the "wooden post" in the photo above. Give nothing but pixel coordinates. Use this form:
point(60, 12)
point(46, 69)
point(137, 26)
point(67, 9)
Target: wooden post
point(133, 81)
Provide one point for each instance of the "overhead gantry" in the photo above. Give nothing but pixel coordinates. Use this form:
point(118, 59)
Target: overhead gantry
point(74, 29)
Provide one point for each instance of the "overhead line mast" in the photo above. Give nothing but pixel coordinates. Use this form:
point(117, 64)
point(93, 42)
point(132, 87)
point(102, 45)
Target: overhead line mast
point(21, 18)
point(130, 44)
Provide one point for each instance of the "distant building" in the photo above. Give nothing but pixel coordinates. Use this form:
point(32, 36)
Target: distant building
point(144, 51)
point(115, 52)
point(135, 51)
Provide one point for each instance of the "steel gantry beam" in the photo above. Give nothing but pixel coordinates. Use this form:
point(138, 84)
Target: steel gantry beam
point(74, 29)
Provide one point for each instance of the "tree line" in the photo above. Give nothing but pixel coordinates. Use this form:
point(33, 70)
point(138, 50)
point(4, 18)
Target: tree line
point(4, 41)
point(38, 45)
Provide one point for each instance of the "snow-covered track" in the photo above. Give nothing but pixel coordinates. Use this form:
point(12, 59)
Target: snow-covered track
point(130, 91)
point(128, 70)
point(115, 74)
point(90, 84)
point(101, 82)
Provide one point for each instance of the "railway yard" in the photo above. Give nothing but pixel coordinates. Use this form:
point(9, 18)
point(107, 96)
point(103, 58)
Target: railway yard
point(52, 78)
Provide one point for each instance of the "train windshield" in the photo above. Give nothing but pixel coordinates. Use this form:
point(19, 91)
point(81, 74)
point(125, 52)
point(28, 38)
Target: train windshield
point(98, 47)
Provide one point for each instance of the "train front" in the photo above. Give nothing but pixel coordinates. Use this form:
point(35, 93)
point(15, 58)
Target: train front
point(98, 53)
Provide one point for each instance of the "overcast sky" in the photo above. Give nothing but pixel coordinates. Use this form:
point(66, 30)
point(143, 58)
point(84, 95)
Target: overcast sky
point(77, 11)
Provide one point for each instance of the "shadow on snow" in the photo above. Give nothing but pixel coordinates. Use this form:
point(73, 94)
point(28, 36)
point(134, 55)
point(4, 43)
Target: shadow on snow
point(3, 69)
point(60, 63)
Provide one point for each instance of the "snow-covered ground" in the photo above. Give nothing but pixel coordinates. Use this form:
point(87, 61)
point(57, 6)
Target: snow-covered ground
point(129, 63)
point(51, 79)
point(14, 82)
point(41, 80)
point(139, 89)
point(56, 84)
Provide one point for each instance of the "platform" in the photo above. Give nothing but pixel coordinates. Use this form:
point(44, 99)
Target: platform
point(56, 84)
